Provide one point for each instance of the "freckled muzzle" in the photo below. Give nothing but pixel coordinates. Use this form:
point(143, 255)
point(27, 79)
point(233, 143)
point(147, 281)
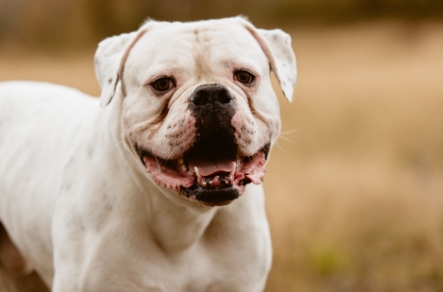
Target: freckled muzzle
point(210, 171)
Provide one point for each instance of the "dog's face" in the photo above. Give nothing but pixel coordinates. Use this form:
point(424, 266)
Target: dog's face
point(198, 108)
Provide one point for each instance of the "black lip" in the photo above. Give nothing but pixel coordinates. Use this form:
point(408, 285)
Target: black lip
point(266, 150)
point(211, 196)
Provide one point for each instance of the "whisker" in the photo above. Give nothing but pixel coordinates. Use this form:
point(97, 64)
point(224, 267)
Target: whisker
point(291, 131)
point(169, 156)
point(288, 140)
point(115, 146)
point(158, 164)
point(279, 147)
point(103, 153)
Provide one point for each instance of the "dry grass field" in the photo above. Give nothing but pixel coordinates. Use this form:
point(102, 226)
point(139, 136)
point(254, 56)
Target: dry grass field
point(355, 184)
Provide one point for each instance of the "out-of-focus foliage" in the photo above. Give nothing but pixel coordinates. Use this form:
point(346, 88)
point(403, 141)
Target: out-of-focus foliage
point(49, 22)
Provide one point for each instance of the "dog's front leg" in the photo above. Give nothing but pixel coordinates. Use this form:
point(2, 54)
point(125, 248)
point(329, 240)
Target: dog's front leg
point(96, 247)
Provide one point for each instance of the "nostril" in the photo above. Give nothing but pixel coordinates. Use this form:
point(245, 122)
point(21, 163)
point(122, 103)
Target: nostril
point(224, 98)
point(199, 99)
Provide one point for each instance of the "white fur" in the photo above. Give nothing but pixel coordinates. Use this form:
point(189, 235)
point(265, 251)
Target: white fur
point(79, 205)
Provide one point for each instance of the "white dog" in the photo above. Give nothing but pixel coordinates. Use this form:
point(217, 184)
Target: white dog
point(149, 192)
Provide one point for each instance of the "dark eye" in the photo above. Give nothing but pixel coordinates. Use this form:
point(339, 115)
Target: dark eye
point(244, 77)
point(163, 84)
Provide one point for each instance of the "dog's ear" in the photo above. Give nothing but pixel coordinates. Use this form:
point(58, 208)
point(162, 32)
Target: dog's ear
point(276, 44)
point(110, 59)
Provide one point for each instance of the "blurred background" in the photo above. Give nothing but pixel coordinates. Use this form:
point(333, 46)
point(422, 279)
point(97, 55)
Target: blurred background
point(355, 185)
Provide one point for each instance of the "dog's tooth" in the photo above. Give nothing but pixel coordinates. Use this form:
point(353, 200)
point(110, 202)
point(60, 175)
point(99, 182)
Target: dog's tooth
point(234, 169)
point(191, 172)
point(204, 184)
point(197, 172)
point(184, 168)
point(181, 161)
point(210, 183)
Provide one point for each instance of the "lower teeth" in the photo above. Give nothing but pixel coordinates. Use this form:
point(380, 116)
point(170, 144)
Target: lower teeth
point(210, 182)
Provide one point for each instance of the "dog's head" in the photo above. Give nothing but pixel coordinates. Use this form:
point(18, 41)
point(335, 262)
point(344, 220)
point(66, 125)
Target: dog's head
point(198, 109)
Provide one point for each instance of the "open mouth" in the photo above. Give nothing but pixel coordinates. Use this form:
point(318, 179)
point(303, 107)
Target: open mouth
point(212, 175)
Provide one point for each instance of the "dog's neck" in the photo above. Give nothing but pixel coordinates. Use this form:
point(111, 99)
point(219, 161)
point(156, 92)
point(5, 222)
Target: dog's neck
point(175, 223)
point(177, 226)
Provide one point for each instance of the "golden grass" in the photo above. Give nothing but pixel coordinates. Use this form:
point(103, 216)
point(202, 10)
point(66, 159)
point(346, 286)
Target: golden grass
point(356, 202)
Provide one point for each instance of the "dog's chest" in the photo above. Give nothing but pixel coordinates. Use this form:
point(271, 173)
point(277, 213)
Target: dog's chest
point(199, 273)
point(202, 268)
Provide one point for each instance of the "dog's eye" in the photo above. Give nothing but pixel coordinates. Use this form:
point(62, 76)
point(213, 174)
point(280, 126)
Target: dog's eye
point(244, 77)
point(163, 84)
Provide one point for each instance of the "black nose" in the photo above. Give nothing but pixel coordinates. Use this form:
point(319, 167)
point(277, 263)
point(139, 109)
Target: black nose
point(210, 94)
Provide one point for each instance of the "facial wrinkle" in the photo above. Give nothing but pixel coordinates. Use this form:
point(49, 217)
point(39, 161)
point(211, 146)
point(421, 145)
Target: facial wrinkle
point(201, 52)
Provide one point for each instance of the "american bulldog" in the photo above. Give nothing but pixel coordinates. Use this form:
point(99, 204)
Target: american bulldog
point(159, 189)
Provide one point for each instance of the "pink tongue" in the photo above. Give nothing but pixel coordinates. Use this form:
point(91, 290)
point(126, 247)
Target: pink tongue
point(209, 168)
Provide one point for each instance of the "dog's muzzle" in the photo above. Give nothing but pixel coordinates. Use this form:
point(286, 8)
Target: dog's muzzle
point(210, 171)
point(213, 107)
point(213, 154)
